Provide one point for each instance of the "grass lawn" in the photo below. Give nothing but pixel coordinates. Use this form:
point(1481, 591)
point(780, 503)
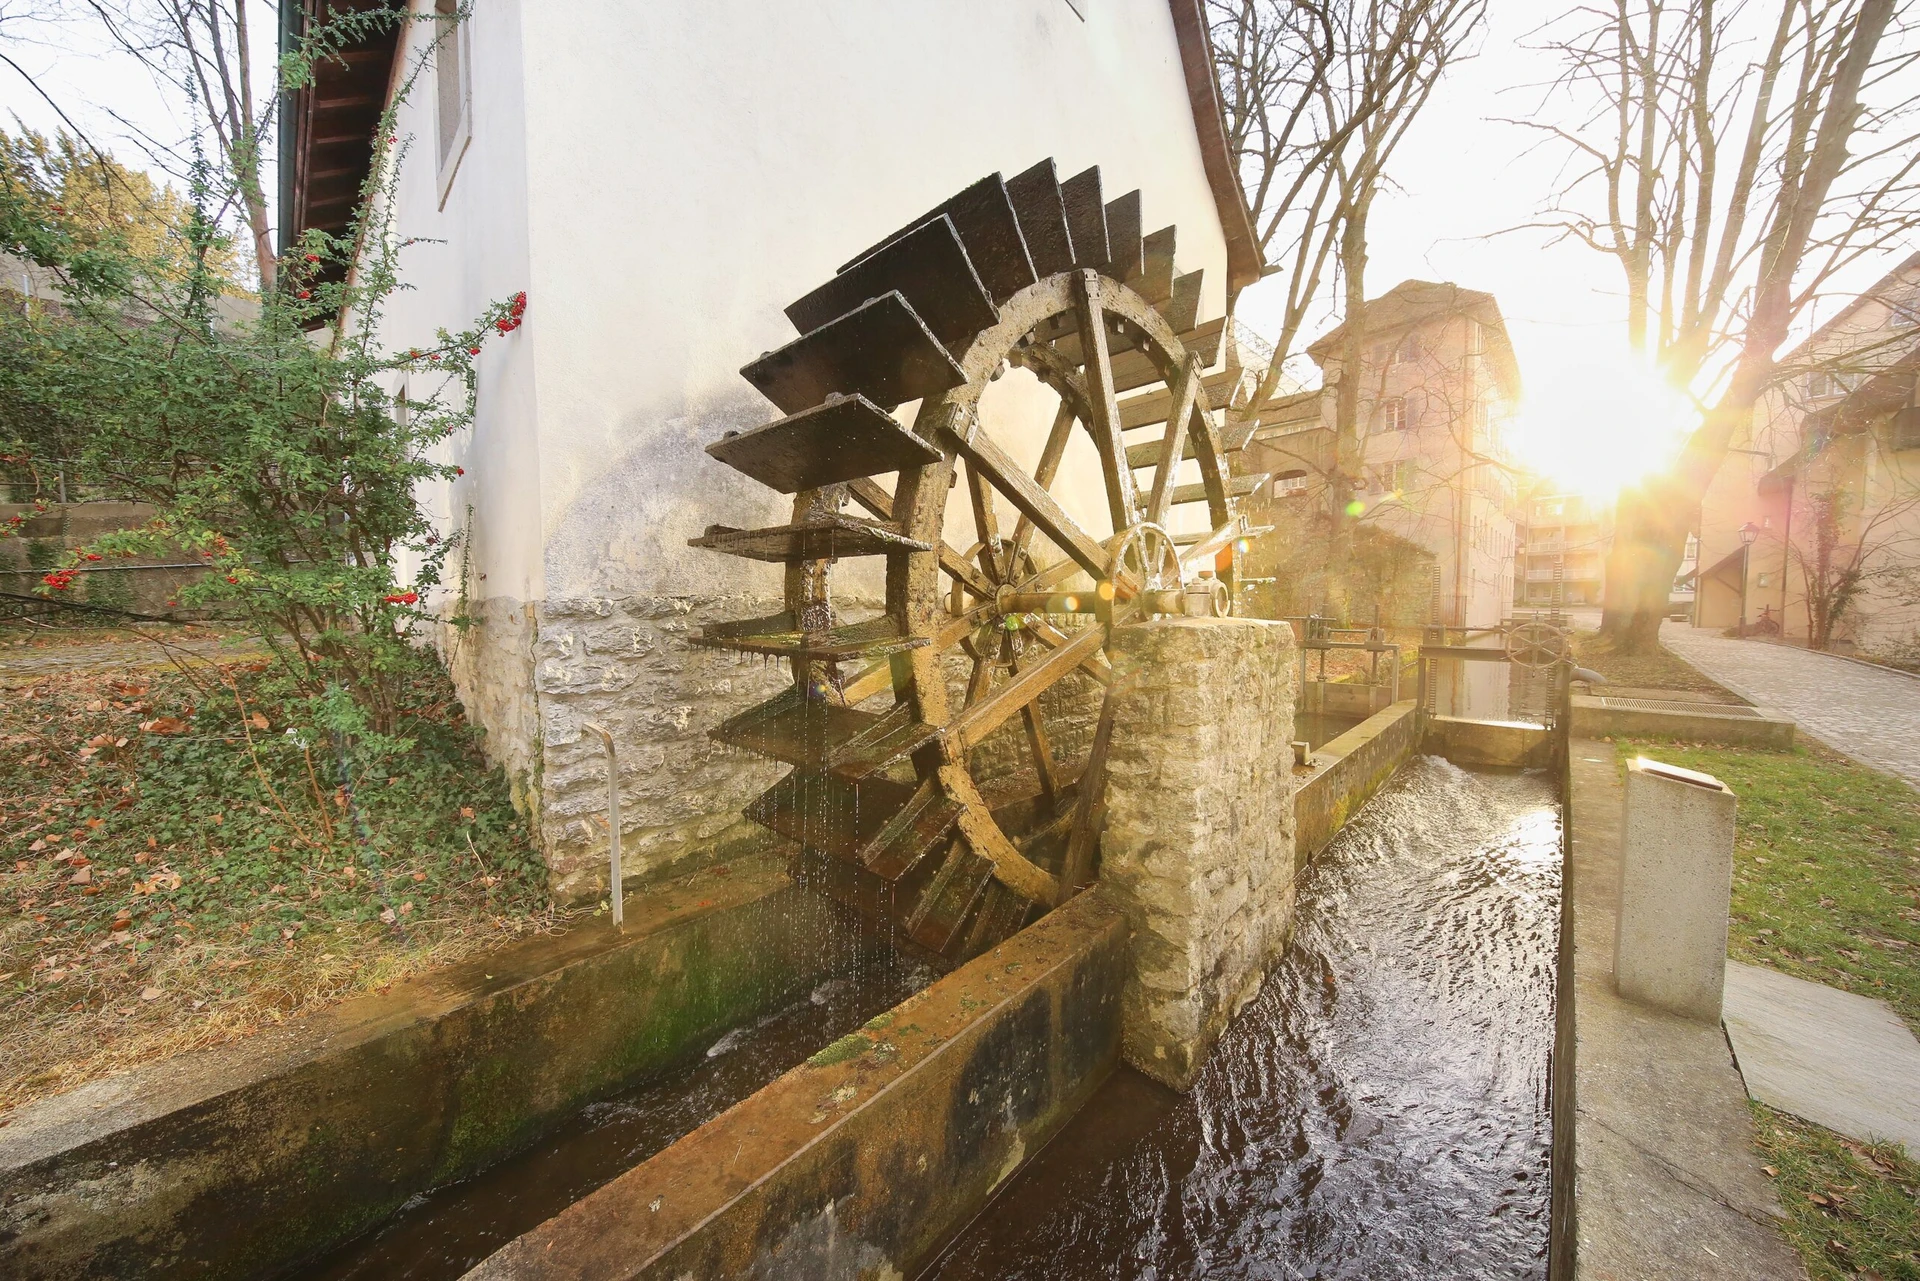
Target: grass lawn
point(179, 867)
point(1660, 669)
point(1826, 886)
point(1851, 1207)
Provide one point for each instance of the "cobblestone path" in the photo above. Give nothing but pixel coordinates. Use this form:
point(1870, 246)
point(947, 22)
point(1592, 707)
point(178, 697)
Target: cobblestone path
point(1870, 714)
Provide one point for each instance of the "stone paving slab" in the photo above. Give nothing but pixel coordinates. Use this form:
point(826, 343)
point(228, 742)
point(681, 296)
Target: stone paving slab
point(1869, 713)
point(1839, 1060)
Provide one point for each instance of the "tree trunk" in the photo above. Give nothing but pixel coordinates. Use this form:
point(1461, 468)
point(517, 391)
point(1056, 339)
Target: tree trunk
point(1346, 425)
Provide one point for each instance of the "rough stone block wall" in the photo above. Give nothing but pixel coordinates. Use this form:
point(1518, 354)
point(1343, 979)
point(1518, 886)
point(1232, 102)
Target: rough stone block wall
point(534, 675)
point(48, 532)
point(1198, 851)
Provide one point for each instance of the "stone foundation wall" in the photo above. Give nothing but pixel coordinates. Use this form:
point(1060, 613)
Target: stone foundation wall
point(534, 673)
point(1198, 851)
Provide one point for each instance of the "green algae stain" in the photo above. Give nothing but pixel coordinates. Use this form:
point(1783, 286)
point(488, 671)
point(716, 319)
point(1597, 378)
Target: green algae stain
point(851, 1046)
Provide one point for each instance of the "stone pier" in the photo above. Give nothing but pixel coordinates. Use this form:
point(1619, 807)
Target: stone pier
point(1198, 851)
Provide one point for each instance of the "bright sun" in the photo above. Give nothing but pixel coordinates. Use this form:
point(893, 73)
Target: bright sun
point(1595, 425)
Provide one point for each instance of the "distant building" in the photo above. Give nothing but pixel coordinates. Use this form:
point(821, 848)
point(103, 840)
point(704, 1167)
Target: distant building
point(1438, 387)
point(1826, 479)
point(1562, 554)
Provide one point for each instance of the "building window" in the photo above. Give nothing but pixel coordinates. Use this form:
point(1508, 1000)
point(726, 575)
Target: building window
point(1407, 350)
point(1904, 313)
point(1392, 478)
point(1824, 384)
point(1393, 414)
point(453, 101)
point(1290, 485)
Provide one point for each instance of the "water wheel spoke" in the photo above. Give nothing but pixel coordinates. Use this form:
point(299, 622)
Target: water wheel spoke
point(1174, 444)
point(1090, 811)
point(1034, 502)
point(1044, 473)
point(986, 523)
point(1037, 745)
point(1052, 637)
point(971, 727)
point(1103, 400)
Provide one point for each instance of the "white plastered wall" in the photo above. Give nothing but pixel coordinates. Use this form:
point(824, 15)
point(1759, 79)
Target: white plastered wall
point(663, 180)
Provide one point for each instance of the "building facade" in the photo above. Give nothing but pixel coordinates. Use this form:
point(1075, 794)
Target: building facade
point(1429, 464)
point(1561, 555)
point(1824, 483)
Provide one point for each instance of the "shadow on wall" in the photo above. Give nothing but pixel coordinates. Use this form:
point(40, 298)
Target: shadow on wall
point(612, 644)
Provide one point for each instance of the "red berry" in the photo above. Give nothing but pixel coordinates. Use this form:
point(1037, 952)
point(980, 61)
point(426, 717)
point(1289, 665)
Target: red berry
point(435, 356)
point(459, 471)
point(93, 555)
point(232, 579)
point(473, 351)
point(313, 257)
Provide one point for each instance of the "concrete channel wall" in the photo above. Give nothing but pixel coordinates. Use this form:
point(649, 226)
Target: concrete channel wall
point(1346, 774)
point(238, 1161)
point(868, 1158)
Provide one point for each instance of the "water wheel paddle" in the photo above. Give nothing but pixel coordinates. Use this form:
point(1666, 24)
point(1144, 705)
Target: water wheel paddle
point(886, 715)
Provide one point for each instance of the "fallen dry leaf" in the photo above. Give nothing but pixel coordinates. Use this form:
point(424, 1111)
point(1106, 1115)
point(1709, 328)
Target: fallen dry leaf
point(257, 721)
point(37, 846)
point(81, 877)
point(164, 725)
point(150, 993)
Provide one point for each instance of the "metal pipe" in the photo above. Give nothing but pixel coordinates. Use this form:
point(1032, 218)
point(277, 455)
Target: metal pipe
point(613, 820)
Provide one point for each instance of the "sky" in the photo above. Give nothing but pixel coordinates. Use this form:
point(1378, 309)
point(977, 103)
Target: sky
point(1460, 179)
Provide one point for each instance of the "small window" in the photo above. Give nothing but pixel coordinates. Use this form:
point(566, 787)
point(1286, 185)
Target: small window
point(1824, 384)
point(1393, 414)
point(452, 56)
point(1904, 313)
point(1290, 485)
point(1406, 351)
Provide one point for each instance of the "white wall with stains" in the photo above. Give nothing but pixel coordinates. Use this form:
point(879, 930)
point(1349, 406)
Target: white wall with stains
point(663, 179)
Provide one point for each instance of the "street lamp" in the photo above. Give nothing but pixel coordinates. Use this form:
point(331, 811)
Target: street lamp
point(1749, 533)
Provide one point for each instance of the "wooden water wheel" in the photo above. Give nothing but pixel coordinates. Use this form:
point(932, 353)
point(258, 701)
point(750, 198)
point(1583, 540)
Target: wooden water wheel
point(1008, 597)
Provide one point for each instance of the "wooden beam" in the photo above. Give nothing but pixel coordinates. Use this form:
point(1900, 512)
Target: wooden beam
point(1043, 474)
point(1036, 503)
point(971, 727)
point(1173, 446)
point(1090, 810)
point(1104, 401)
point(1010, 867)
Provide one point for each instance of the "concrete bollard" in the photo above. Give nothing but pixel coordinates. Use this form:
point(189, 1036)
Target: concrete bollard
point(1676, 885)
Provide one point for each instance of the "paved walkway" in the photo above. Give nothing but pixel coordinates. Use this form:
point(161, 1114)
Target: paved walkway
point(1839, 1060)
point(1870, 714)
point(29, 664)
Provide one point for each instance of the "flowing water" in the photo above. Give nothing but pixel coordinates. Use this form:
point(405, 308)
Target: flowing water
point(441, 1234)
point(1378, 1111)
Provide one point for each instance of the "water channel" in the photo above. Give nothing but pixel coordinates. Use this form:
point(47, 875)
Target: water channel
point(440, 1234)
point(1378, 1111)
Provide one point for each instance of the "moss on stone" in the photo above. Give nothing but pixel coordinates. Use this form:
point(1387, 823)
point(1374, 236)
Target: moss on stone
point(851, 1046)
